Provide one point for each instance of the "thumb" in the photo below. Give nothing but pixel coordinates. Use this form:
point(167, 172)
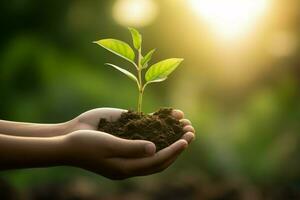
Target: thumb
point(132, 148)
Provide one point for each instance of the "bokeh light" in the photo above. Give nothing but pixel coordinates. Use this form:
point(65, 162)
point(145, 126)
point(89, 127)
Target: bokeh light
point(136, 13)
point(283, 44)
point(230, 18)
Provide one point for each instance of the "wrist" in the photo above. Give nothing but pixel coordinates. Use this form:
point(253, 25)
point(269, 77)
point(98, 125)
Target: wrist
point(60, 150)
point(69, 149)
point(68, 127)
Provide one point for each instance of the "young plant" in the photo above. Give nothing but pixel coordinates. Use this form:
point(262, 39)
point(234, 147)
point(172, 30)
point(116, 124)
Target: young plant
point(156, 73)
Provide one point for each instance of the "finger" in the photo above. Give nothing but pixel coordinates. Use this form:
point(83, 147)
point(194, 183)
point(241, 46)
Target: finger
point(189, 128)
point(131, 148)
point(123, 171)
point(163, 166)
point(185, 122)
point(178, 114)
point(189, 137)
point(165, 163)
point(155, 163)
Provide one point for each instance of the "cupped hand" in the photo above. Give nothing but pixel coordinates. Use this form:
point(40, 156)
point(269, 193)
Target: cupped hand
point(90, 120)
point(118, 158)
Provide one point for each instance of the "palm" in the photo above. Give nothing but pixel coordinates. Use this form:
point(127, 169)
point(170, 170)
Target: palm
point(90, 119)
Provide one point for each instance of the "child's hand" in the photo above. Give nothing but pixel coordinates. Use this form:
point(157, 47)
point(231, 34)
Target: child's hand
point(77, 143)
point(90, 120)
point(118, 158)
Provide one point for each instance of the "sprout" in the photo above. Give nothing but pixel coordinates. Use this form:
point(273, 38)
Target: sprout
point(156, 73)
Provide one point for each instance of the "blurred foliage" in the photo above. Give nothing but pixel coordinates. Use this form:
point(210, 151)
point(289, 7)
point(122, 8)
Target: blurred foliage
point(243, 99)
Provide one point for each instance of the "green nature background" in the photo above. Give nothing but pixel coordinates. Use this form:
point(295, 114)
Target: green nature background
point(243, 97)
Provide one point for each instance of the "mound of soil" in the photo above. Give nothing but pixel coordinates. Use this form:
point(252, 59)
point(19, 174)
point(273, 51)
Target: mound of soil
point(161, 127)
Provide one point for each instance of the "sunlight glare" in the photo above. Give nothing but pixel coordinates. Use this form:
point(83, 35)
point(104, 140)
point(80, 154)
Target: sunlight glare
point(136, 13)
point(230, 18)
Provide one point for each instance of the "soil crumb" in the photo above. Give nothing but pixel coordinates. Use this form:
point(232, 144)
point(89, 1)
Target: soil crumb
point(161, 127)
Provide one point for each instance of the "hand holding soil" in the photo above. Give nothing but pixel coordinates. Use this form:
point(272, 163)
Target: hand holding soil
point(77, 143)
point(118, 158)
point(90, 121)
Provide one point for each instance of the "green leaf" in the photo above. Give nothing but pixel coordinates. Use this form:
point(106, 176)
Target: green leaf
point(118, 47)
point(127, 73)
point(147, 58)
point(161, 70)
point(136, 38)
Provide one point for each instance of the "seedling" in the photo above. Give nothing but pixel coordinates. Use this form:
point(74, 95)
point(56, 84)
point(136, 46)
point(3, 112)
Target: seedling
point(156, 73)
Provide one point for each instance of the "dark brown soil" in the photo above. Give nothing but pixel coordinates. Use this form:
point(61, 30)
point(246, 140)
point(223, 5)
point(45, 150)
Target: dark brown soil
point(161, 127)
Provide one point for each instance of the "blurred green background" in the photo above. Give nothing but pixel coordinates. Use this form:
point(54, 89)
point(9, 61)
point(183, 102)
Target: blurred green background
point(239, 85)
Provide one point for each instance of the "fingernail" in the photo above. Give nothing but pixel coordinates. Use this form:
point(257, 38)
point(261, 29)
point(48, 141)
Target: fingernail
point(184, 145)
point(193, 137)
point(177, 113)
point(150, 149)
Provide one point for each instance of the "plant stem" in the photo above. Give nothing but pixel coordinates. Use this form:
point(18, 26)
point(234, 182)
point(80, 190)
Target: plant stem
point(141, 89)
point(140, 101)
